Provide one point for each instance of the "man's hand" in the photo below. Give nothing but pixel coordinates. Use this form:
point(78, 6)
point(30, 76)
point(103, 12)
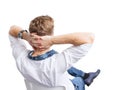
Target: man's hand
point(34, 40)
point(41, 42)
point(46, 42)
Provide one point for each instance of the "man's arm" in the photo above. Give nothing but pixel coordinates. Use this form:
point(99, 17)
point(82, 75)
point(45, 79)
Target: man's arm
point(82, 41)
point(31, 39)
point(14, 30)
point(72, 38)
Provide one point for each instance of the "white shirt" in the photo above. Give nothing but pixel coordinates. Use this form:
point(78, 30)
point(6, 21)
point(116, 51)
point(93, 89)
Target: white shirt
point(53, 70)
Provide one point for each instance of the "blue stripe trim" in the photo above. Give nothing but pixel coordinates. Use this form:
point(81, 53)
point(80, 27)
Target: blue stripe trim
point(41, 57)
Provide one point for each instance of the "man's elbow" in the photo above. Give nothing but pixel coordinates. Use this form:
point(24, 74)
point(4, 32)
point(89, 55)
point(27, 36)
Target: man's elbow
point(91, 38)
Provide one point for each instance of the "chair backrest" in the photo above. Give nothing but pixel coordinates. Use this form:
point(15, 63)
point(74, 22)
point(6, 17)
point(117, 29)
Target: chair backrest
point(32, 86)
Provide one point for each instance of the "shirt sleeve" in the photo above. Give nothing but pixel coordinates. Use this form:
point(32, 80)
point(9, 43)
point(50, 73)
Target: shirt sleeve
point(18, 46)
point(70, 56)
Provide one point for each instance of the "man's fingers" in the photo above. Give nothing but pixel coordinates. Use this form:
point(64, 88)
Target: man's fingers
point(35, 40)
point(41, 47)
point(36, 37)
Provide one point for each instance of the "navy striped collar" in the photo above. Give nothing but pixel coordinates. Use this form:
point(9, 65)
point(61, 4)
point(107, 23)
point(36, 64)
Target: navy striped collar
point(41, 57)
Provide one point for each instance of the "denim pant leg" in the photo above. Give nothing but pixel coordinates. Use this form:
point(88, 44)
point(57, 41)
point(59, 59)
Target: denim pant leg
point(78, 83)
point(76, 72)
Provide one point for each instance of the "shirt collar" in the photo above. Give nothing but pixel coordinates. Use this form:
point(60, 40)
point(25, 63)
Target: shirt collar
point(41, 57)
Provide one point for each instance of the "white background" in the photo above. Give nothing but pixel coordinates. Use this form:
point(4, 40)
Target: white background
point(101, 17)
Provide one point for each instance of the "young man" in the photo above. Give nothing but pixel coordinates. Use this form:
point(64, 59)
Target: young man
point(45, 66)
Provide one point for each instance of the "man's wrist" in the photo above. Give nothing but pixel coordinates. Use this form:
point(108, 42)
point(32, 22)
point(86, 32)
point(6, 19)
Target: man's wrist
point(51, 38)
point(26, 36)
point(20, 34)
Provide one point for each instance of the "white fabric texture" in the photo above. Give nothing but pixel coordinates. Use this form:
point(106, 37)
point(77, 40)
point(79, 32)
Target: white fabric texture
point(33, 86)
point(53, 70)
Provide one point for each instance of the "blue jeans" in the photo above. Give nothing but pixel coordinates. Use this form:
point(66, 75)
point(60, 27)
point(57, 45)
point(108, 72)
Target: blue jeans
point(78, 81)
point(76, 72)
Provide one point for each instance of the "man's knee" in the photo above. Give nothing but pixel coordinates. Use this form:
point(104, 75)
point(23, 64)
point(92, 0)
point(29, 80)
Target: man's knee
point(78, 81)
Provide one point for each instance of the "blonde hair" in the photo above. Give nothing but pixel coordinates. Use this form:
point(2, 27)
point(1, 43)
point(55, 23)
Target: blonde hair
point(42, 25)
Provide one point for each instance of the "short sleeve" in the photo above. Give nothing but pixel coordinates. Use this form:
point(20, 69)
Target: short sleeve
point(70, 56)
point(17, 45)
point(75, 53)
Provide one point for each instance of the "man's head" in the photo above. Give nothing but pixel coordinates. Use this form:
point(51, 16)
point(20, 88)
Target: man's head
point(42, 25)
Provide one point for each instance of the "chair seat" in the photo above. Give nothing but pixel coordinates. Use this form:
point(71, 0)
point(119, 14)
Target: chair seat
point(32, 86)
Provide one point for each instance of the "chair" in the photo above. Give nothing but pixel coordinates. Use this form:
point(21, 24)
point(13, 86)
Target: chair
point(32, 86)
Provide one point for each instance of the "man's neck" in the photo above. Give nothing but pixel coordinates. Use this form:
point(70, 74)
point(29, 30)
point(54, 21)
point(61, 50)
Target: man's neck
point(39, 52)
